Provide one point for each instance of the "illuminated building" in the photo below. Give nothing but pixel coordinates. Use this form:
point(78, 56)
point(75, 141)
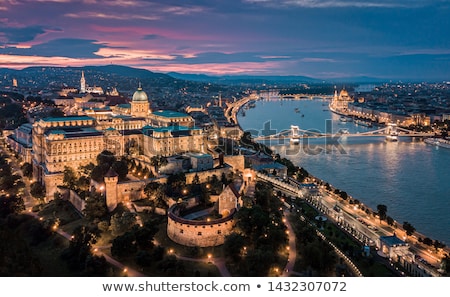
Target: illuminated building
point(131, 129)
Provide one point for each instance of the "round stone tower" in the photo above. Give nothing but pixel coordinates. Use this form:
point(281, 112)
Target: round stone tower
point(111, 179)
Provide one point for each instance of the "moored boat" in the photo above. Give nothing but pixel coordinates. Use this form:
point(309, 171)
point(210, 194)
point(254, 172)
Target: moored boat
point(392, 137)
point(439, 142)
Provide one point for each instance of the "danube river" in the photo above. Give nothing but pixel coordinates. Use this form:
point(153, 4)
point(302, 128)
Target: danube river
point(410, 177)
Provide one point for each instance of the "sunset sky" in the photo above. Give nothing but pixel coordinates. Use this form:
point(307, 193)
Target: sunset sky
point(397, 39)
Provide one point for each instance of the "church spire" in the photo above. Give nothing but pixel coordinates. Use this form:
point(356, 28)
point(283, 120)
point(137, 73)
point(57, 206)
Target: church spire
point(82, 83)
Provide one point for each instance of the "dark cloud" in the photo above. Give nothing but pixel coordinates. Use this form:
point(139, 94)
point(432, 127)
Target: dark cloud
point(13, 35)
point(217, 57)
point(152, 37)
point(65, 47)
point(310, 37)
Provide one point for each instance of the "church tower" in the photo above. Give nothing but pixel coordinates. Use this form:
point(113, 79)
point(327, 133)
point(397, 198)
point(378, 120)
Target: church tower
point(140, 106)
point(82, 83)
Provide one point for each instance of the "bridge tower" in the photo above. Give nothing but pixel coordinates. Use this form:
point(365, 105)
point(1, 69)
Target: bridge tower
point(391, 128)
point(391, 131)
point(295, 136)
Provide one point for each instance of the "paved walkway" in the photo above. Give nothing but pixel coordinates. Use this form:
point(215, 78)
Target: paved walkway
point(218, 262)
point(288, 269)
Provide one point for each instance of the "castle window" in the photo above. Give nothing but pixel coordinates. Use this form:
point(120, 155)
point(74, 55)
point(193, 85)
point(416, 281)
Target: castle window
point(219, 231)
point(181, 231)
point(199, 233)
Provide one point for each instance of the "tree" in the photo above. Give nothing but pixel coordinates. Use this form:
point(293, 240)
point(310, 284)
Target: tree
point(151, 190)
point(80, 247)
point(144, 235)
point(121, 168)
point(18, 258)
point(258, 262)
point(175, 183)
point(390, 221)
point(437, 244)
point(97, 174)
point(343, 195)
point(233, 246)
point(8, 182)
point(105, 159)
point(27, 169)
point(196, 180)
point(427, 241)
point(143, 258)
point(86, 170)
point(70, 178)
point(409, 229)
point(263, 193)
point(95, 207)
point(124, 245)
point(205, 197)
point(382, 210)
point(445, 264)
point(120, 223)
point(11, 205)
point(158, 162)
point(95, 266)
point(319, 255)
point(37, 190)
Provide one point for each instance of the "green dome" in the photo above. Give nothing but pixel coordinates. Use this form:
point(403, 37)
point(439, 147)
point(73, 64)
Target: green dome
point(140, 95)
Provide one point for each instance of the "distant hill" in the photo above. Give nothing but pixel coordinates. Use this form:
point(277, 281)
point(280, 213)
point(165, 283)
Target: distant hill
point(127, 78)
point(105, 76)
point(282, 79)
point(108, 69)
point(357, 80)
point(244, 79)
point(126, 71)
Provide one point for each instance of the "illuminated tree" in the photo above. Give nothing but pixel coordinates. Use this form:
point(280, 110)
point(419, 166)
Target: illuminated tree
point(409, 229)
point(382, 210)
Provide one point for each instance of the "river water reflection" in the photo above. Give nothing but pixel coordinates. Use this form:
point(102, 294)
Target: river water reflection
point(410, 177)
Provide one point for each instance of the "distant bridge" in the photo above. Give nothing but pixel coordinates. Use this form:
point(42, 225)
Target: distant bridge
point(305, 96)
point(391, 130)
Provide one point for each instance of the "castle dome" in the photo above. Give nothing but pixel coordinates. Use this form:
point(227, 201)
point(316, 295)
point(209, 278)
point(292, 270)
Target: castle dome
point(140, 95)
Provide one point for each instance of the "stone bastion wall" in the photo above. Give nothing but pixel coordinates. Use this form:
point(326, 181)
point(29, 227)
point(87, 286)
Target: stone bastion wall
point(201, 233)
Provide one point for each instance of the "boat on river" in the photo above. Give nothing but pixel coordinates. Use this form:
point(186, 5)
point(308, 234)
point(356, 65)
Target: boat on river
point(392, 137)
point(439, 142)
point(345, 119)
point(363, 123)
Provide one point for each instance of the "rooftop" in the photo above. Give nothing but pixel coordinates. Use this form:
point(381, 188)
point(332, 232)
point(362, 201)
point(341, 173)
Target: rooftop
point(169, 128)
point(63, 119)
point(392, 240)
point(72, 132)
point(170, 114)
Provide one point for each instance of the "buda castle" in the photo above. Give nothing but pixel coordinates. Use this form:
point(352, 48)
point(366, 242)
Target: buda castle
point(131, 129)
